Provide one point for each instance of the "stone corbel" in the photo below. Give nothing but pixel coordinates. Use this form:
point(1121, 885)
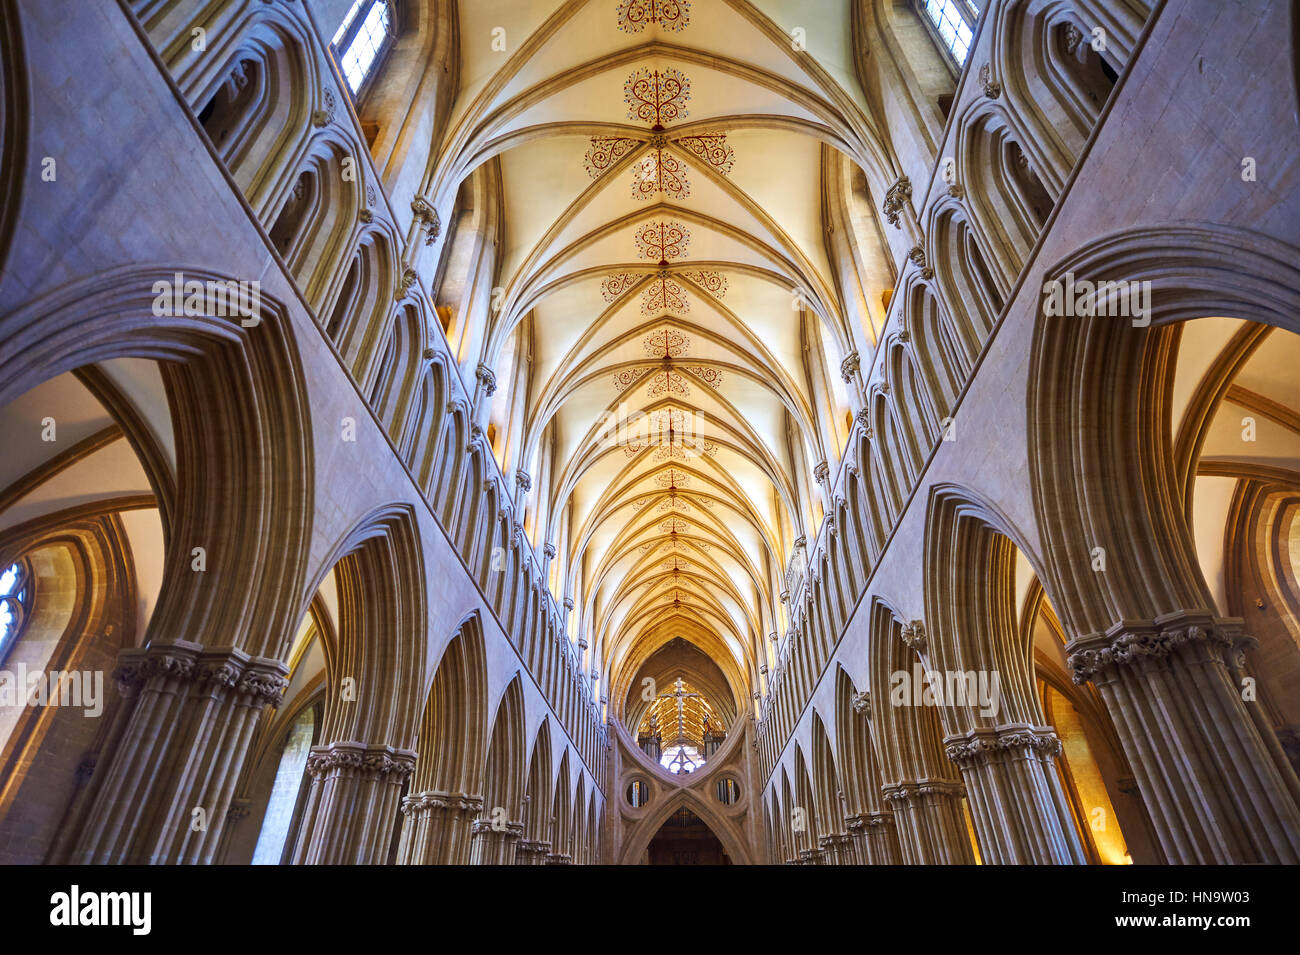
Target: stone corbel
point(897, 198)
point(916, 255)
point(408, 280)
point(849, 366)
point(991, 88)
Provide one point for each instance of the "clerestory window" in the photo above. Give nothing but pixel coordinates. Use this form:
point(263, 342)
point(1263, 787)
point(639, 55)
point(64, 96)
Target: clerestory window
point(365, 35)
point(953, 23)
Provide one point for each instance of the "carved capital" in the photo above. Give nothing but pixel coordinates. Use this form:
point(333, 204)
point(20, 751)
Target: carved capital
point(985, 745)
point(427, 214)
point(359, 760)
point(437, 800)
point(1133, 644)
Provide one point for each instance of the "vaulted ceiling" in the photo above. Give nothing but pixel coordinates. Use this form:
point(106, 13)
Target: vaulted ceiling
point(667, 276)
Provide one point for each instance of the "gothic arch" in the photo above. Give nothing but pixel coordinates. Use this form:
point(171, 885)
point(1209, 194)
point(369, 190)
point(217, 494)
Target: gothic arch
point(240, 421)
point(534, 843)
point(14, 115)
point(446, 786)
point(1107, 381)
point(498, 828)
point(638, 839)
point(1194, 271)
point(82, 594)
point(999, 738)
point(368, 730)
point(254, 107)
point(919, 781)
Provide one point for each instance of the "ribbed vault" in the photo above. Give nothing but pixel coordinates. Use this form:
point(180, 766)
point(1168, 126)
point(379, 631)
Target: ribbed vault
point(669, 317)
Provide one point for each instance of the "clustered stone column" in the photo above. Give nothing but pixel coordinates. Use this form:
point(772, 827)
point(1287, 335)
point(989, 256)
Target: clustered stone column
point(872, 839)
point(1214, 792)
point(493, 843)
point(532, 852)
point(931, 825)
point(837, 849)
point(873, 835)
point(438, 827)
point(810, 857)
point(1015, 795)
point(167, 775)
point(352, 803)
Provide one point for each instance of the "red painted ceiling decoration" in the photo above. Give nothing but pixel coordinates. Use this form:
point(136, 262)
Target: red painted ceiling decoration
point(605, 151)
point(666, 380)
point(710, 148)
point(672, 478)
point(715, 283)
point(615, 285)
point(664, 293)
point(660, 172)
point(672, 433)
point(668, 343)
point(659, 97)
point(663, 240)
point(635, 15)
point(674, 543)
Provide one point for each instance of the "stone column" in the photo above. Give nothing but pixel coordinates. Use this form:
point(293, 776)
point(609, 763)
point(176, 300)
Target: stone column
point(881, 839)
point(931, 825)
point(352, 804)
point(1019, 808)
point(837, 849)
point(559, 858)
point(162, 788)
point(857, 829)
point(438, 827)
point(1215, 794)
point(493, 844)
point(532, 852)
point(485, 386)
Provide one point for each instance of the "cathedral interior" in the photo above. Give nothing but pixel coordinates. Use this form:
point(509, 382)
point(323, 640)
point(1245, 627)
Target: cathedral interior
point(649, 432)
